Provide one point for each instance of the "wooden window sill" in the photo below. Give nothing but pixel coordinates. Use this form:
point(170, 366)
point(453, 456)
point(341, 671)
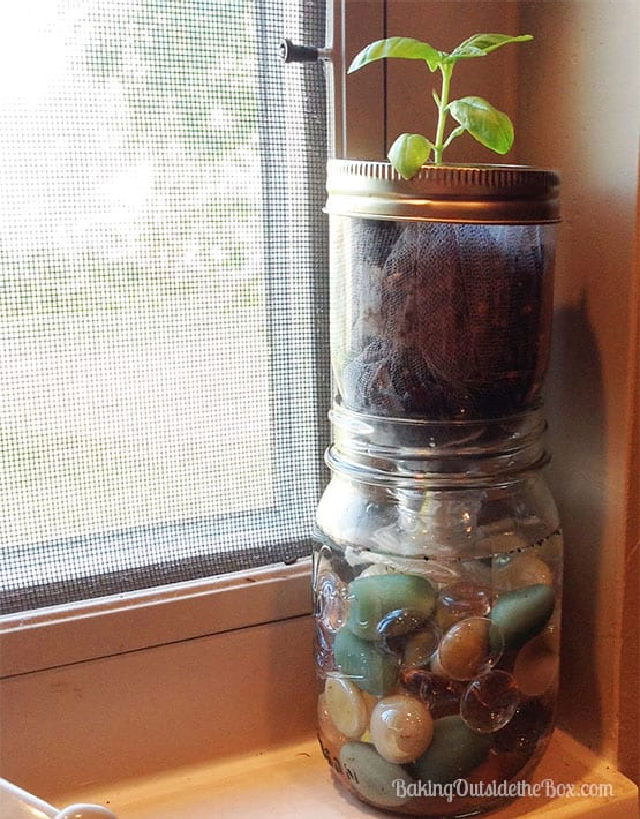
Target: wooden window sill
point(295, 782)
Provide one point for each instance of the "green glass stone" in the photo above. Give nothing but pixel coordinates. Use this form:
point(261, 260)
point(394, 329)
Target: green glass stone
point(523, 613)
point(373, 598)
point(376, 780)
point(368, 667)
point(454, 752)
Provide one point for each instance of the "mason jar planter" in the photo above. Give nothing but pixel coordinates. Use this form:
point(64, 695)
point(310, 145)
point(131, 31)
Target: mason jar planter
point(438, 567)
point(441, 288)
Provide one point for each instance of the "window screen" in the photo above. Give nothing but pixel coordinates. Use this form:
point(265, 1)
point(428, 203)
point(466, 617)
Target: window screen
point(163, 312)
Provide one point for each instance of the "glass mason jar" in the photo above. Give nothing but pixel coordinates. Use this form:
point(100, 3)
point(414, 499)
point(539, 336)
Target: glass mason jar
point(441, 288)
point(438, 566)
point(437, 578)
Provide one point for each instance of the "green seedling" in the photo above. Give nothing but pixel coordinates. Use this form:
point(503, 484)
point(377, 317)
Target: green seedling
point(474, 115)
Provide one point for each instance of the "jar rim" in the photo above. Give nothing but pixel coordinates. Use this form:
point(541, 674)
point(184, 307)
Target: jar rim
point(418, 452)
point(504, 474)
point(470, 193)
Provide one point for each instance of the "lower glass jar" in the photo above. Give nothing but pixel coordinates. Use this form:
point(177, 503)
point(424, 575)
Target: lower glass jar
point(437, 578)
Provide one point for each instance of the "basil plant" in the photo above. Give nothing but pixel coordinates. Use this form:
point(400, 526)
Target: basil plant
point(473, 115)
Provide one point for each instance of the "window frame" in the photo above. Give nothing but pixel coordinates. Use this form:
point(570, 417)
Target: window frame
point(131, 559)
point(70, 633)
point(59, 636)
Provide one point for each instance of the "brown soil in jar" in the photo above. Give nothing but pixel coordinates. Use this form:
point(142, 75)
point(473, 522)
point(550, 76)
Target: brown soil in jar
point(446, 321)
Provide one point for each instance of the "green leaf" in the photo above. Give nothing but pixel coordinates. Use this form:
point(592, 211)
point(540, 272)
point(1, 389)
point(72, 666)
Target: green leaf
point(397, 47)
point(485, 123)
point(408, 153)
point(479, 45)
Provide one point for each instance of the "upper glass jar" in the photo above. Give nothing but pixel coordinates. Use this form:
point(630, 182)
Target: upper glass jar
point(441, 288)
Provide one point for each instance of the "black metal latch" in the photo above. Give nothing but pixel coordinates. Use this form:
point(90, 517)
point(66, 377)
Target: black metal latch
point(293, 53)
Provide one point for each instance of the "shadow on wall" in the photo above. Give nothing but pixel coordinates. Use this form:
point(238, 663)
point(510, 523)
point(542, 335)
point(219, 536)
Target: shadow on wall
point(576, 417)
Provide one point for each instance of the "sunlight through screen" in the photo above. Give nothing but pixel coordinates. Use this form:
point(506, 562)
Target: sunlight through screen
point(144, 359)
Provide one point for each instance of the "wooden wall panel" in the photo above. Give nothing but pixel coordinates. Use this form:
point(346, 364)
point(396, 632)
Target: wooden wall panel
point(580, 113)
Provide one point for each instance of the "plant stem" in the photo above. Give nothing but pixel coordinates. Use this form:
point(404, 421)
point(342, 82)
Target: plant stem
point(446, 70)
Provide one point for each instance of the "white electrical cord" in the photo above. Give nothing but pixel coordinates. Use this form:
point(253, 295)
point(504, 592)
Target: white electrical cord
point(16, 803)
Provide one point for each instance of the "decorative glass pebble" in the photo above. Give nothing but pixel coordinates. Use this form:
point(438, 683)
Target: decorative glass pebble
point(332, 601)
point(395, 626)
point(346, 707)
point(401, 728)
point(324, 648)
point(490, 702)
point(372, 598)
point(530, 723)
point(439, 693)
point(326, 727)
point(521, 571)
point(469, 647)
point(550, 636)
point(460, 600)
point(477, 572)
point(455, 750)
point(522, 613)
point(420, 646)
point(536, 666)
point(375, 779)
point(375, 570)
point(412, 679)
point(365, 663)
point(436, 666)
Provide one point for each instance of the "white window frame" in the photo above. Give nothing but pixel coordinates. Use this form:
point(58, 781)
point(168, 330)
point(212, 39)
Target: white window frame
point(59, 635)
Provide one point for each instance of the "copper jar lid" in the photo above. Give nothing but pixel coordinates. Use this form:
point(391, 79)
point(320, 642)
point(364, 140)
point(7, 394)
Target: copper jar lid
point(499, 194)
